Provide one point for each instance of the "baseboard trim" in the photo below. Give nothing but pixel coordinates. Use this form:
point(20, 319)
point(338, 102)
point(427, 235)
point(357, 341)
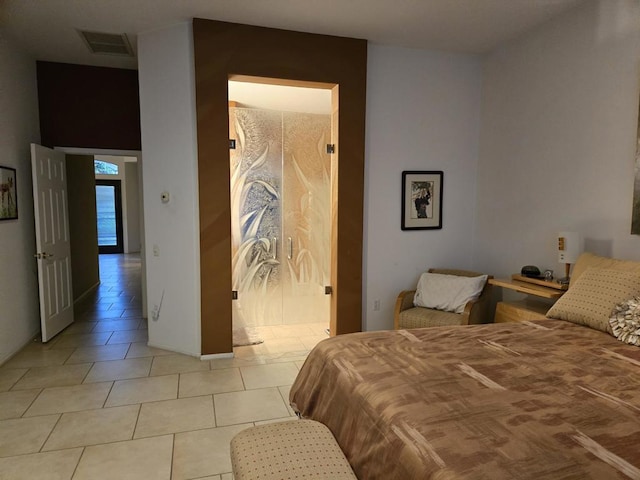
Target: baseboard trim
point(87, 292)
point(214, 356)
point(172, 349)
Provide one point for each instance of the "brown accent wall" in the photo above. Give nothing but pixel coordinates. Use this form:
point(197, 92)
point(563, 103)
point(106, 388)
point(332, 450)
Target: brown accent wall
point(224, 49)
point(83, 230)
point(85, 106)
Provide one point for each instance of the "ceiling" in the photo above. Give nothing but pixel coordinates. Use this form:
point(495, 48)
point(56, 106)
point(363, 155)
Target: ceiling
point(48, 29)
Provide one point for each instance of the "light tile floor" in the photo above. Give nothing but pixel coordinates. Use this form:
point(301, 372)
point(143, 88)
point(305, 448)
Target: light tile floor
point(97, 403)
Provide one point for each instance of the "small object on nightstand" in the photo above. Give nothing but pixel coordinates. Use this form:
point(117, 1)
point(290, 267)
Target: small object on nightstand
point(530, 271)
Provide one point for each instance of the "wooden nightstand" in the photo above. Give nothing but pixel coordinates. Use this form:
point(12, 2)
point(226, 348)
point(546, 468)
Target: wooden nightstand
point(529, 309)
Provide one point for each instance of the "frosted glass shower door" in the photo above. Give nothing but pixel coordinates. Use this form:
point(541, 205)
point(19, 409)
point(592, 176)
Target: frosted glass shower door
point(256, 216)
point(280, 216)
point(307, 217)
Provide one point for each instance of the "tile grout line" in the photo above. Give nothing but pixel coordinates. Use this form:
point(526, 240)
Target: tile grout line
point(215, 414)
point(135, 427)
point(104, 403)
point(173, 453)
point(75, 470)
point(51, 432)
point(88, 371)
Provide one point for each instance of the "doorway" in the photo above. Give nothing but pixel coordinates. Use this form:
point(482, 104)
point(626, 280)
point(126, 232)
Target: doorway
point(280, 184)
point(109, 216)
point(84, 165)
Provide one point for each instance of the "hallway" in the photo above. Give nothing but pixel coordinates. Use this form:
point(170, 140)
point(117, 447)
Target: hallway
point(96, 402)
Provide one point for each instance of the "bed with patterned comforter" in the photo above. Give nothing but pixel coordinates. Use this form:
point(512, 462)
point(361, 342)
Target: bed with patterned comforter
point(537, 400)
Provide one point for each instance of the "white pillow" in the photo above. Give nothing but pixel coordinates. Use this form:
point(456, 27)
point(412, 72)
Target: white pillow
point(447, 292)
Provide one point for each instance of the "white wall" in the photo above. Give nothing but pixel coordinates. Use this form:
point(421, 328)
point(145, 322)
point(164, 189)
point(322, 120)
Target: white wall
point(423, 111)
point(168, 119)
point(558, 136)
point(132, 194)
point(19, 314)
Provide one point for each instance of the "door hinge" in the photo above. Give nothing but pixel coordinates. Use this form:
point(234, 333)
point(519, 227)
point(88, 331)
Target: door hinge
point(331, 148)
point(232, 144)
point(234, 294)
point(328, 290)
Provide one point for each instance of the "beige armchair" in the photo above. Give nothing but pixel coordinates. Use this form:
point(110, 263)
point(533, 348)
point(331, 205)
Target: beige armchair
point(406, 315)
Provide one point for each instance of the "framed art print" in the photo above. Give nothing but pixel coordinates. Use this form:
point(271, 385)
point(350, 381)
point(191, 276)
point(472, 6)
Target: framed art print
point(8, 195)
point(421, 200)
point(635, 208)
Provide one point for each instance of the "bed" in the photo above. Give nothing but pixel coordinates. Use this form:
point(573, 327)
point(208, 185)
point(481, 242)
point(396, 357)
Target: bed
point(547, 399)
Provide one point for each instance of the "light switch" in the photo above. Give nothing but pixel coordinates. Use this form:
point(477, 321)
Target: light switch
point(156, 251)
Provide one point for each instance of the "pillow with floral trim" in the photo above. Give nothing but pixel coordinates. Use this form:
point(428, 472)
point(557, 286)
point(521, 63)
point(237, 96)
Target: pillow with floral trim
point(625, 321)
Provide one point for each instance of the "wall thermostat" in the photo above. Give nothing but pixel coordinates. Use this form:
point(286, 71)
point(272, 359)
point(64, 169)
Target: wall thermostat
point(164, 196)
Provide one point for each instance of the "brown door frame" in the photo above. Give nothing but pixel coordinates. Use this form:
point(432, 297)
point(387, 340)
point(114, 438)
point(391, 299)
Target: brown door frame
point(222, 50)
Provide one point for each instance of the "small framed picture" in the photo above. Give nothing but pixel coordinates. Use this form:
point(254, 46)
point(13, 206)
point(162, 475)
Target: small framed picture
point(421, 200)
point(8, 196)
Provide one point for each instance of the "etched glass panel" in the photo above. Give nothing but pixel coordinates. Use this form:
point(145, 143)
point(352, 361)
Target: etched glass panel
point(280, 216)
point(307, 217)
point(256, 180)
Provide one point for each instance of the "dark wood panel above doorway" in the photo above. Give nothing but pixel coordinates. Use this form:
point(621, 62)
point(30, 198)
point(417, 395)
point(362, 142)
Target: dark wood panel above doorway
point(88, 106)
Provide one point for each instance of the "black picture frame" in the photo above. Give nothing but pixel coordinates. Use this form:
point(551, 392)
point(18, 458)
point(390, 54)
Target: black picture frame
point(8, 194)
point(422, 199)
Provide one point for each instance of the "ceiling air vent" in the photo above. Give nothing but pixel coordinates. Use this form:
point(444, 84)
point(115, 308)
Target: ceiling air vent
point(107, 43)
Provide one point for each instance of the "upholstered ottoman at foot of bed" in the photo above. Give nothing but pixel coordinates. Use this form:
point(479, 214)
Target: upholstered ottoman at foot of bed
point(288, 450)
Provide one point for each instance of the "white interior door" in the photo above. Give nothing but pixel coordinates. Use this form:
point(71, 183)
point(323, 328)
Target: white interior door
point(52, 240)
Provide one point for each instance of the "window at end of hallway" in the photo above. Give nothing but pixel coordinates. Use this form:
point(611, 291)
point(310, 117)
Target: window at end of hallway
point(105, 168)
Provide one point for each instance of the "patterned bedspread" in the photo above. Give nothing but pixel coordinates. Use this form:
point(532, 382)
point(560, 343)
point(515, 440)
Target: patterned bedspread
point(531, 400)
